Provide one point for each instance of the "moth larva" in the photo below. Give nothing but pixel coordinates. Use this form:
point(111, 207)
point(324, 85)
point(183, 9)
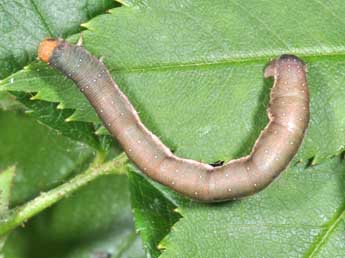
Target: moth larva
point(277, 144)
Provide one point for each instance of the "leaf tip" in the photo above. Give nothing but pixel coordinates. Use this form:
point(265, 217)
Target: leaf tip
point(68, 119)
point(60, 106)
point(177, 210)
point(85, 25)
point(35, 97)
point(161, 246)
point(71, 118)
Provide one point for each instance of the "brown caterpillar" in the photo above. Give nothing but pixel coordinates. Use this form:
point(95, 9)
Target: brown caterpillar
point(277, 144)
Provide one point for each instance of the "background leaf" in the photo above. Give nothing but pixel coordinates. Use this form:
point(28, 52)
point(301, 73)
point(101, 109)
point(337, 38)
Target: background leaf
point(95, 220)
point(203, 59)
point(207, 58)
point(8, 102)
point(154, 214)
point(42, 157)
point(49, 114)
point(32, 21)
point(24, 23)
point(6, 179)
point(38, 151)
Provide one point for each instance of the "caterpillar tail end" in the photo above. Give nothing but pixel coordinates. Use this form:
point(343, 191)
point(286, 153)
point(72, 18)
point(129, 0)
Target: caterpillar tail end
point(271, 68)
point(46, 48)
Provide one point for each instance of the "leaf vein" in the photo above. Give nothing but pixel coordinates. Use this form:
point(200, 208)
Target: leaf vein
point(320, 241)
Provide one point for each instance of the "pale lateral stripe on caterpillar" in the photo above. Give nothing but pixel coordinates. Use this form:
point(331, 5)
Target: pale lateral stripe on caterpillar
point(277, 144)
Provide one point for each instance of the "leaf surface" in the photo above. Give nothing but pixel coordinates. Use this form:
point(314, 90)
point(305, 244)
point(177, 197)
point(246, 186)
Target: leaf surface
point(6, 179)
point(194, 71)
point(24, 23)
point(154, 214)
point(42, 157)
point(93, 222)
point(301, 214)
point(197, 77)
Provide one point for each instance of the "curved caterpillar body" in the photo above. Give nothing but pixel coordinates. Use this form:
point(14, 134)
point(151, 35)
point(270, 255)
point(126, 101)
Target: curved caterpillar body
point(277, 144)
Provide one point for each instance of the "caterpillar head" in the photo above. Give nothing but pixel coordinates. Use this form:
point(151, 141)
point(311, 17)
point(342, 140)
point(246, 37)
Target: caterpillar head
point(46, 48)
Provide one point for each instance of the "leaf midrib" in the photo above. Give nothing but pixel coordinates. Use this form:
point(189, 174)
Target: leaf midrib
point(35, 8)
point(252, 59)
point(186, 66)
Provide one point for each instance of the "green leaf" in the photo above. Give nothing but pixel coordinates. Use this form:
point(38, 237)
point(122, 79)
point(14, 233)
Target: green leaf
point(43, 158)
point(8, 102)
point(120, 242)
point(301, 215)
point(197, 77)
point(47, 113)
point(34, 20)
point(95, 220)
point(6, 179)
point(154, 215)
point(24, 23)
point(194, 70)
point(2, 243)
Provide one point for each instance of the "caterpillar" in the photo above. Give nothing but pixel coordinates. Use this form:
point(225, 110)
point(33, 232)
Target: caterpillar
point(277, 144)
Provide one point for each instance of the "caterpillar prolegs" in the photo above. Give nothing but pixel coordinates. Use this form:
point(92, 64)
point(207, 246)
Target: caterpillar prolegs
point(277, 144)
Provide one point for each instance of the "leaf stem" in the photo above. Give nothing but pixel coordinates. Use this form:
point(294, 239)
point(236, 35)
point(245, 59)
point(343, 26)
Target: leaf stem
point(21, 214)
